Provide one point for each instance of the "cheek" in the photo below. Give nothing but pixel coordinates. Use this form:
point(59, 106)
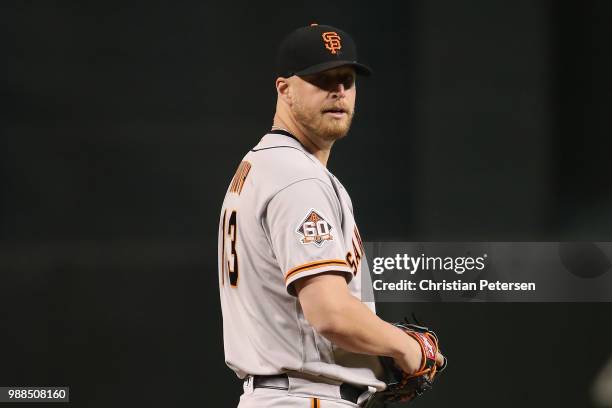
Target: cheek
point(351, 97)
point(314, 98)
point(314, 103)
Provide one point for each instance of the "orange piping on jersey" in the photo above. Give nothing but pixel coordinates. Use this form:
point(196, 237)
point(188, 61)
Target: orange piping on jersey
point(313, 265)
point(315, 403)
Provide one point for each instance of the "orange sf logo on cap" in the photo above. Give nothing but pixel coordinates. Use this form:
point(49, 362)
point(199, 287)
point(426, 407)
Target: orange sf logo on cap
point(332, 41)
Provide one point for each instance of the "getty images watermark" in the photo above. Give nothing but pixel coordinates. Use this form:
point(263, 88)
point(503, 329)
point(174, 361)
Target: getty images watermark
point(458, 265)
point(498, 271)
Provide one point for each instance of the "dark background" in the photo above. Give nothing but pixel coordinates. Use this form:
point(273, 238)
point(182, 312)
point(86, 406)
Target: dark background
point(123, 124)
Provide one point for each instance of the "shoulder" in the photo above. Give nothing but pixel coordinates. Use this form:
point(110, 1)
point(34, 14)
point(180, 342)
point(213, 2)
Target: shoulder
point(278, 167)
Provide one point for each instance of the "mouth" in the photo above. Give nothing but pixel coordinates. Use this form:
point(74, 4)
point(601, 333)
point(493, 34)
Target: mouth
point(335, 112)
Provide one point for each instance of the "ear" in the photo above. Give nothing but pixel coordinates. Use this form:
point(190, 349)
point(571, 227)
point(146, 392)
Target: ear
point(283, 86)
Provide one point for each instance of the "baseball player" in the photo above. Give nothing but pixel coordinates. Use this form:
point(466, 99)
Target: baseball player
point(291, 256)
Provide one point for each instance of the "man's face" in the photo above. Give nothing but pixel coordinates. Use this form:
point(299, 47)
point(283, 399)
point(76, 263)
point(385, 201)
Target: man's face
point(324, 103)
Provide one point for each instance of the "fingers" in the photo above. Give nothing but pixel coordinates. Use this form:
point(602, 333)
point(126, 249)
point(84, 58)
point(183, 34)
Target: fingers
point(440, 359)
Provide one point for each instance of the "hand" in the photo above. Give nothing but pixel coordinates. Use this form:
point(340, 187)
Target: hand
point(410, 359)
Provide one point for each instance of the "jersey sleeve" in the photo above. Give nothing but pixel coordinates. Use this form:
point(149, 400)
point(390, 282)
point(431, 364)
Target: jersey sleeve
point(304, 224)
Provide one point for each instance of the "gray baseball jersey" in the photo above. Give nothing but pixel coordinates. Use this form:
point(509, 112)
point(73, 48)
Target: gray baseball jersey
point(285, 217)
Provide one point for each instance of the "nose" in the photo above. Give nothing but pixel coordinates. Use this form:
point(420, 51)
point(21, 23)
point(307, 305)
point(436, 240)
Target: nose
point(338, 89)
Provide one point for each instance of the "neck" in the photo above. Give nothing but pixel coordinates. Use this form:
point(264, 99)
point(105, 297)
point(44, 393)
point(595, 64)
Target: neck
point(315, 145)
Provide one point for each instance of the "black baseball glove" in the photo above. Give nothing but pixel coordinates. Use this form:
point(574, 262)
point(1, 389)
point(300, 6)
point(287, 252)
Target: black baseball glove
point(402, 386)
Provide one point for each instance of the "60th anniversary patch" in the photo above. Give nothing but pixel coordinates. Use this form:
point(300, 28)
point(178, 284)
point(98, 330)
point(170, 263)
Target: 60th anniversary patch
point(314, 229)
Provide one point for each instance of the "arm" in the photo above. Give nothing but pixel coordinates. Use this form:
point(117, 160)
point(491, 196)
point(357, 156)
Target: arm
point(341, 318)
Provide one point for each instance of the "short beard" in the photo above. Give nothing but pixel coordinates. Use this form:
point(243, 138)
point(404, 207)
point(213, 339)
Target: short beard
point(316, 123)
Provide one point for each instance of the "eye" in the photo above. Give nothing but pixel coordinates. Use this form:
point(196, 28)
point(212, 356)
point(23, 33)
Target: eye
point(320, 81)
point(348, 81)
point(330, 82)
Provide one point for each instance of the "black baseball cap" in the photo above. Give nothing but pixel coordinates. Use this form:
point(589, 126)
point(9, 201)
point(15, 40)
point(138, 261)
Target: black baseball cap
point(317, 48)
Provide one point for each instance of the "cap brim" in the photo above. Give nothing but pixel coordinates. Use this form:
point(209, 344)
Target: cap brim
point(360, 69)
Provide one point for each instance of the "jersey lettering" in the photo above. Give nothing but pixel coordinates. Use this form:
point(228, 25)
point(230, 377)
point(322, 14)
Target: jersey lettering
point(240, 177)
point(353, 258)
point(230, 264)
